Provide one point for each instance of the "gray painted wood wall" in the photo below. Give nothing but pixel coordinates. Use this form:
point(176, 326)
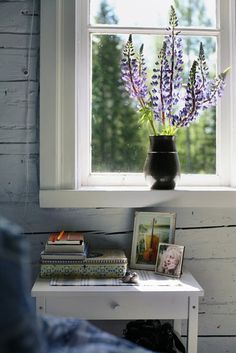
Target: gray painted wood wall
point(208, 234)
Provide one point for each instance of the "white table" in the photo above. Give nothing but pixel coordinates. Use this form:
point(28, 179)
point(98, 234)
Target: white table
point(169, 299)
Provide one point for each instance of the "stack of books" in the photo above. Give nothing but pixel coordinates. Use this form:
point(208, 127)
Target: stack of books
point(66, 255)
point(65, 246)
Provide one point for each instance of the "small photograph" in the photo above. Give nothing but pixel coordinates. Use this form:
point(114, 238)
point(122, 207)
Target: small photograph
point(150, 229)
point(169, 260)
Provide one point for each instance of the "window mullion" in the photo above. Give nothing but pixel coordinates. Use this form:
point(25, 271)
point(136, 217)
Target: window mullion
point(232, 38)
point(83, 92)
point(103, 29)
point(224, 105)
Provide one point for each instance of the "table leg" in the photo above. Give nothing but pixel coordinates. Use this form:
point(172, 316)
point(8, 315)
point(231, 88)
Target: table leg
point(178, 326)
point(40, 305)
point(192, 325)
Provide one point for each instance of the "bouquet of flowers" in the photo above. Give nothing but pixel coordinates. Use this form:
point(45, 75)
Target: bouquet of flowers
point(160, 105)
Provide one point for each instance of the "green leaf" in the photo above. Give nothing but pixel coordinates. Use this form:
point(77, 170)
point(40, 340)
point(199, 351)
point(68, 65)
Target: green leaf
point(173, 22)
point(223, 74)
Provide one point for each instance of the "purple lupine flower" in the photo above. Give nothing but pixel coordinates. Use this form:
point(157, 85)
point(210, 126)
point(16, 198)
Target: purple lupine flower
point(158, 105)
point(201, 92)
point(169, 79)
point(134, 72)
point(160, 83)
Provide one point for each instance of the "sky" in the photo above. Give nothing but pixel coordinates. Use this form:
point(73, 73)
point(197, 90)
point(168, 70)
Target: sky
point(148, 12)
point(153, 13)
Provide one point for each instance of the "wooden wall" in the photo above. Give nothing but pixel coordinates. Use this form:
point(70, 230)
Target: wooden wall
point(208, 234)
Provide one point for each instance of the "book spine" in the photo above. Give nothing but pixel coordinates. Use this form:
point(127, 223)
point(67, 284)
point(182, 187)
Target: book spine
point(91, 261)
point(80, 271)
point(54, 257)
point(85, 261)
point(64, 248)
point(62, 261)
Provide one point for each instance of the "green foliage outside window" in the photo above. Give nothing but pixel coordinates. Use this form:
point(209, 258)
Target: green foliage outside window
point(118, 144)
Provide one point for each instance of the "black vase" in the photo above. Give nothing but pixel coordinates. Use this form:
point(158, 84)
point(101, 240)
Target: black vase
point(162, 167)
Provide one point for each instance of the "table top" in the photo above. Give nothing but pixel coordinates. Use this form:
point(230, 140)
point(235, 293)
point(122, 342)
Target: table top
point(187, 284)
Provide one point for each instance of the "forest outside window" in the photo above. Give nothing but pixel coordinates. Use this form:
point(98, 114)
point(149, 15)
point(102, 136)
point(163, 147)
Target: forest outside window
point(91, 122)
point(115, 143)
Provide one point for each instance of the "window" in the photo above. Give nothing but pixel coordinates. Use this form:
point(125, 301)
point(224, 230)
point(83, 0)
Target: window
point(77, 152)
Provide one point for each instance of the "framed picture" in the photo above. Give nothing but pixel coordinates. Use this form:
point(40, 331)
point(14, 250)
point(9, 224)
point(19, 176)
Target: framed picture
point(169, 260)
point(150, 229)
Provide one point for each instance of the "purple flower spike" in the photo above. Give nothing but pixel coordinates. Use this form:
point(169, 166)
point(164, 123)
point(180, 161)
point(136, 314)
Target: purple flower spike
point(158, 103)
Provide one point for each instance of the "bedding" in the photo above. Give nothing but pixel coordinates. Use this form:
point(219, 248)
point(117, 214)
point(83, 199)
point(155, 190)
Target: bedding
point(69, 335)
point(21, 331)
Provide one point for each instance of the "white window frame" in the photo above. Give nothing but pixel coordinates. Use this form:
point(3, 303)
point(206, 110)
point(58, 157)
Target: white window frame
point(65, 140)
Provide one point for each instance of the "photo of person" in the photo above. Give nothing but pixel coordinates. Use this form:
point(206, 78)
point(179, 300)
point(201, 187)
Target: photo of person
point(169, 260)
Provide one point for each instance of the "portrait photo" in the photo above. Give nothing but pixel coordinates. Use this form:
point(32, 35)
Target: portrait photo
point(170, 260)
point(150, 229)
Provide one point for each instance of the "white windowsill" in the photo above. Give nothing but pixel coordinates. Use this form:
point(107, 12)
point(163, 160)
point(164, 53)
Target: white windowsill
point(96, 197)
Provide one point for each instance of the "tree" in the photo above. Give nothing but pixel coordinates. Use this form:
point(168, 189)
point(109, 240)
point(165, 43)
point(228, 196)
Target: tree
point(117, 141)
point(197, 143)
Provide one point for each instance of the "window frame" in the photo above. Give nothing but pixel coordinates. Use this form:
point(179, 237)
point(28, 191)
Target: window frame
point(63, 58)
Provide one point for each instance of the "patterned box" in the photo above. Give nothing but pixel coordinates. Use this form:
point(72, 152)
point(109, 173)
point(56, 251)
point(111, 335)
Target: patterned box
point(100, 264)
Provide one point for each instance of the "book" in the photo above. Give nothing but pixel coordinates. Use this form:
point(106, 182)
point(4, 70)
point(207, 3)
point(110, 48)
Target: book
point(64, 256)
point(65, 242)
point(55, 249)
point(99, 264)
point(66, 238)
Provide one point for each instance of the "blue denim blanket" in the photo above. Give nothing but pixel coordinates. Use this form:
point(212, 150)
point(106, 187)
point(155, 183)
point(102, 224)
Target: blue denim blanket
point(62, 335)
point(21, 331)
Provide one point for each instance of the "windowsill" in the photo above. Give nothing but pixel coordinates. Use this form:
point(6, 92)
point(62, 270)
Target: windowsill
point(126, 197)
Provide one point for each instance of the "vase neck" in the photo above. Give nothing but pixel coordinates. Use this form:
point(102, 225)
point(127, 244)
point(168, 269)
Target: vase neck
point(162, 143)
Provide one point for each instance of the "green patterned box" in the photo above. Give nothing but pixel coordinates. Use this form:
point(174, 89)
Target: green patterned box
point(101, 264)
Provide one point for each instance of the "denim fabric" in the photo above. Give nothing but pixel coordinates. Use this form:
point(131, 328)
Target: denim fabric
point(69, 335)
point(21, 331)
point(18, 324)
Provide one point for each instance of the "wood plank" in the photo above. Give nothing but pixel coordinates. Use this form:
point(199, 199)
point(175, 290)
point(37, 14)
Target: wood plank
point(216, 344)
point(18, 64)
point(17, 17)
point(218, 243)
point(199, 217)
point(19, 41)
point(218, 319)
point(217, 277)
point(18, 135)
point(19, 181)
point(35, 219)
point(102, 220)
point(29, 149)
point(225, 344)
point(19, 103)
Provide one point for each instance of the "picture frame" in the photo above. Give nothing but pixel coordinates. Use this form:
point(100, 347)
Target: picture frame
point(150, 228)
point(170, 260)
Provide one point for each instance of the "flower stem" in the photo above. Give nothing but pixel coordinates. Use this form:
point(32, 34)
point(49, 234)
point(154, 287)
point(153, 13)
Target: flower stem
point(140, 99)
point(152, 124)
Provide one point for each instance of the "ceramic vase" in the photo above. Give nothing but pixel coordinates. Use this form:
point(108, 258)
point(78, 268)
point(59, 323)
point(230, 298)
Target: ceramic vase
point(162, 166)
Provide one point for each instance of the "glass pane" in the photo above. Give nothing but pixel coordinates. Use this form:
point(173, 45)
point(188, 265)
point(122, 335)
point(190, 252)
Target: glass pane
point(119, 143)
point(153, 13)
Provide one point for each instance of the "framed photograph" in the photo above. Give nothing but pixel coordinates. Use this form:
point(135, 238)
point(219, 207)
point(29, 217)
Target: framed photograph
point(169, 260)
point(150, 229)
